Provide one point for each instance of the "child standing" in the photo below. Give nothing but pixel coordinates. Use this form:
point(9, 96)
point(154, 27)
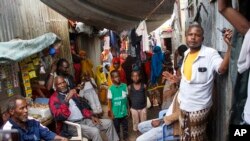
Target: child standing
point(88, 92)
point(118, 104)
point(138, 100)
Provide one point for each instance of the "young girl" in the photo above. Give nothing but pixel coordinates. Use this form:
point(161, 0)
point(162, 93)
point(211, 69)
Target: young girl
point(88, 86)
point(138, 100)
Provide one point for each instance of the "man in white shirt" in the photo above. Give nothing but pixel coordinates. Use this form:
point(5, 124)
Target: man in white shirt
point(195, 93)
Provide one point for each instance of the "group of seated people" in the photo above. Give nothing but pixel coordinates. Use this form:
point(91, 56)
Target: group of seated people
point(66, 104)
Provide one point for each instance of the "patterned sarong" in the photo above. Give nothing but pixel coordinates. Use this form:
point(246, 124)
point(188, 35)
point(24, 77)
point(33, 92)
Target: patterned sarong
point(193, 125)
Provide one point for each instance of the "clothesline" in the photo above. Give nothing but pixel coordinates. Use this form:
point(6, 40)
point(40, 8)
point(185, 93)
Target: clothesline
point(152, 12)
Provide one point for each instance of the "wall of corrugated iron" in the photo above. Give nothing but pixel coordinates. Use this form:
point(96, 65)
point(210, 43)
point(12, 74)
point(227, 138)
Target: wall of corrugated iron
point(92, 45)
point(27, 19)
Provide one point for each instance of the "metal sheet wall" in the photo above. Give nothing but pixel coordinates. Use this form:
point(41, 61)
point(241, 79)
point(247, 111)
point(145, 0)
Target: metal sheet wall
point(92, 45)
point(27, 19)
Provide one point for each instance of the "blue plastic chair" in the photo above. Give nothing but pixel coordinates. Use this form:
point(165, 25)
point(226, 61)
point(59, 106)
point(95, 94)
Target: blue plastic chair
point(164, 126)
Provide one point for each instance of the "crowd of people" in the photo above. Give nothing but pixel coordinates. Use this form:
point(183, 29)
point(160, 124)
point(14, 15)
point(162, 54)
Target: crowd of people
point(125, 85)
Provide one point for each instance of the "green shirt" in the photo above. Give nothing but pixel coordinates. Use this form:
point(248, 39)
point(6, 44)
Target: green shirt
point(118, 96)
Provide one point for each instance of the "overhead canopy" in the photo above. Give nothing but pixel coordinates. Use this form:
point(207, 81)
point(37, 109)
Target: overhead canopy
point(16, 50)
point(117, 15)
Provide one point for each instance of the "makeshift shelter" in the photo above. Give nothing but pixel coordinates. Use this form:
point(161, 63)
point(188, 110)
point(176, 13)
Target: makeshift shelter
point(117, 15)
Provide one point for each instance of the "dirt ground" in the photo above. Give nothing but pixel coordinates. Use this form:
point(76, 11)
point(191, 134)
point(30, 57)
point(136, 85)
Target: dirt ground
point(151, 113)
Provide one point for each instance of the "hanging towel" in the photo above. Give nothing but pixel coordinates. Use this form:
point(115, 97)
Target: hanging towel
point(244, 64)
point(142, 31)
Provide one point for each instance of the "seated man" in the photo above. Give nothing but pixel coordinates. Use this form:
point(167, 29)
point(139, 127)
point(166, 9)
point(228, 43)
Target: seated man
point(29, 129)
point(65, 104)
point(152, 130)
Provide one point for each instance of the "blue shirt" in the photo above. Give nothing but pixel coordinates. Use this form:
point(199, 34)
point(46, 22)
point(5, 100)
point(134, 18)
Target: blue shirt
point(34, 132)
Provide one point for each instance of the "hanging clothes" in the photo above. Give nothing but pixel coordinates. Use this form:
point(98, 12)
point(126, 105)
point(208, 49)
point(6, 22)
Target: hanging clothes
point(113, 39)
point(135, 44)
point(127, 66)
point(147, 65)
point(156, 64)
point(142, 31)
point(106, 40)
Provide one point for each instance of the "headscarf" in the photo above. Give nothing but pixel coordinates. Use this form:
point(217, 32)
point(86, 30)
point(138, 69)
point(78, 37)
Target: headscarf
point(156, 64)
point(120, 69)
point(86, 65)
point(116, 60)
point(100, 76)
point(82, 53)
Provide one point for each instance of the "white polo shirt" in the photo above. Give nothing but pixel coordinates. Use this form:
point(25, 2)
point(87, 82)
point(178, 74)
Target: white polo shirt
point(196, 94)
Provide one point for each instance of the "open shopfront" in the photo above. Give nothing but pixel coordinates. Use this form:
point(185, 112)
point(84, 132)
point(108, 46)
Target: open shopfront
point(22, 69)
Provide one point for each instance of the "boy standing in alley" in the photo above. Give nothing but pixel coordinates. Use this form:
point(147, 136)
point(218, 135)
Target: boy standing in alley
point(118, 104)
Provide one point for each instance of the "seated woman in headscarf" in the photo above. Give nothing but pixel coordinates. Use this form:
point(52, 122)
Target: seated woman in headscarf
point(102, 84)
point(86, 64)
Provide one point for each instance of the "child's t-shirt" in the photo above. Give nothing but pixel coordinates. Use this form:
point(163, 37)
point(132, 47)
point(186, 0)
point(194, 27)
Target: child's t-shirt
point(118, 96)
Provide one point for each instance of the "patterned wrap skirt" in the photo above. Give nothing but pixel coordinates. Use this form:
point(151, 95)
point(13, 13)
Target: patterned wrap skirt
point(193, 125)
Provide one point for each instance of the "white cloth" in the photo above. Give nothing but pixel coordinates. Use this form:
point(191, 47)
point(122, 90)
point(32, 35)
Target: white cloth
point(247, 105)
point(142, 30)
point(75, 113)
point(243, 65)
point(106, 42)
point(196, 94)
point(88, 85)
point(244, 58)
point(90, 94)
point(170, 109)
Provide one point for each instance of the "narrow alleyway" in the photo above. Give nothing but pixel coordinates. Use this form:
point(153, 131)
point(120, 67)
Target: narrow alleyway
point(151, 114)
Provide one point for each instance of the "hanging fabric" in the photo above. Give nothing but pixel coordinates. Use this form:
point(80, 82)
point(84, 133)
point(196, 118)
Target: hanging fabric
point(142, 31)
